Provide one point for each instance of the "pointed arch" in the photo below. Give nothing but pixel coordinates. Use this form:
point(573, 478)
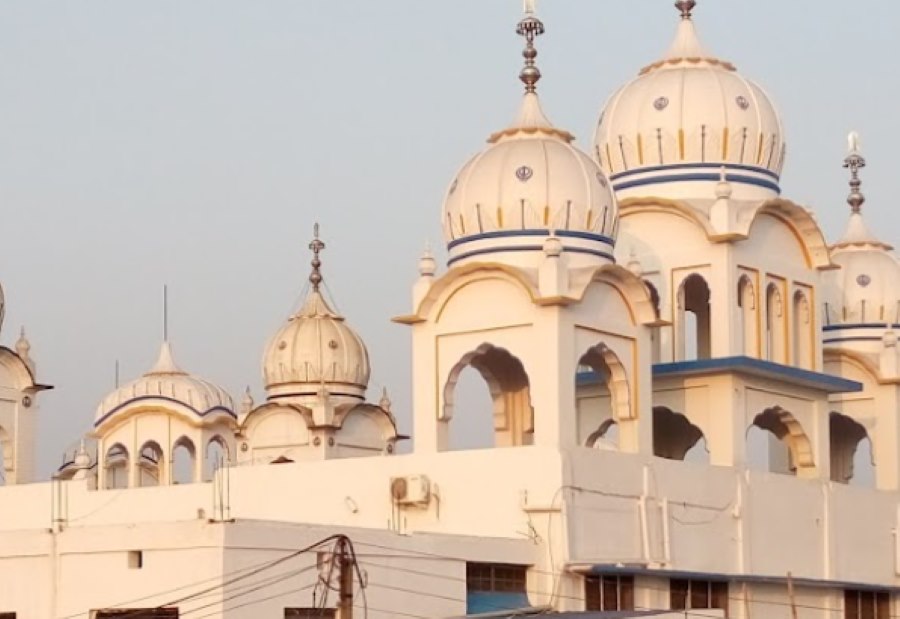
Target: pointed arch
point(184, 461)
point(803, 226)
point(802, 331)
point(510, 393)
point(216, 455)
point(694, 328)
point(846, 436)
point(785, 428)
point(776, 334)
point(673, 434)
point(116, 467)
point(150, 465)
point(749, 316)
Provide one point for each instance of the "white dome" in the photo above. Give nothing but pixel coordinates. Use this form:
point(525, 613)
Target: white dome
point(867, 289)
point(683, 119)
point(314, 350)
point(167, 382)
point(528, 184)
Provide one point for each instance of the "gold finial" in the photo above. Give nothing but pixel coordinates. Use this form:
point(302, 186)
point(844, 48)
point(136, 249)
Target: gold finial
point(316, 246)
point(854, 162)
point(686, 7)
point(530, 27)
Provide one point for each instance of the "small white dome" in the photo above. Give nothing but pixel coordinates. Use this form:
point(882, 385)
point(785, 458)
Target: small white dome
point(316, 349)
point(868, 283)
point(166, 381)
point(684, 118)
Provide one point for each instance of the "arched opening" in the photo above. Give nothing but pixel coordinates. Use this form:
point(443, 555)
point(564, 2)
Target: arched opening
point(776, 443)
point(775, 332)
point(802, 331)
point(475, 428)
point(606, 437)
point(749, 322)
point(508, 395)
point(150, 465)
point(115, 467)
point(851, 452)
point(216, 457)
point(694, 330)
point(674, 437)
point(654, 332)
point(184, 457)
point(601, 393)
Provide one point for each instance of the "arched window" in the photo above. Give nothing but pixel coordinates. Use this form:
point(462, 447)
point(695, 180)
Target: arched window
point(115, 467)
point(150, 465)
point(851, 452)
point(775, 331)
point(695, 328)
point(778, 444)
point(802, 332)
point(749, 321)
point(216, 457)
point(184, 457)
point(509, 392)
point(601, 393)
point(674, 437)
point(654, 332)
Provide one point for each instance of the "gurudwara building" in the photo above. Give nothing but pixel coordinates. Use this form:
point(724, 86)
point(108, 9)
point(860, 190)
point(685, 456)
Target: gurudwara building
point(708, 427)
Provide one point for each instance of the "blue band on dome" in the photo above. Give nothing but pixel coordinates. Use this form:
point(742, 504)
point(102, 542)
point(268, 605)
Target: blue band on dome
point(861, 325)
point(860, 338)
point(689, 166)
point(499, 234)
point(674, 178)
point(494, 250)
point(167, 399)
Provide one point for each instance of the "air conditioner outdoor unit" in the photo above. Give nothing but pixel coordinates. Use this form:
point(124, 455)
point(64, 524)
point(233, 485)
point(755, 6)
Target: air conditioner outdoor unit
point(411, 490)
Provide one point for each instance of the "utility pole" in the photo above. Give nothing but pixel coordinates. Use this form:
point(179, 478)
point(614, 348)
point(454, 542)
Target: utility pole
point(345, 602)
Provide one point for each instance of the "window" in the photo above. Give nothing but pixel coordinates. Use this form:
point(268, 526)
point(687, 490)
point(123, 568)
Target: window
point(609, 592)
point(493, 587)
point(867, 604)
point(137, 613)
point(686, 594)
point(135, 559)
point(309, 613)
point(7, 615)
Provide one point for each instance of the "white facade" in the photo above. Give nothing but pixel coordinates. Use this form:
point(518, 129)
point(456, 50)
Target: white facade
point(683, 375)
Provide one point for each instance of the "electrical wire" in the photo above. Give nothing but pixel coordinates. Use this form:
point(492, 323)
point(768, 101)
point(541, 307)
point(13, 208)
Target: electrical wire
point(221, 585)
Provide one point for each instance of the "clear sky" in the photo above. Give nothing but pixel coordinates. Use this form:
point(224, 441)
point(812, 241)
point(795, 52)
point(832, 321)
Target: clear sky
point(195, 142)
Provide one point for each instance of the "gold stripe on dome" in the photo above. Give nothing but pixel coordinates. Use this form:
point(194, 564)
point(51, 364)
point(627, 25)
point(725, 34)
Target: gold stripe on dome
point(692, 60)
point(551, 131)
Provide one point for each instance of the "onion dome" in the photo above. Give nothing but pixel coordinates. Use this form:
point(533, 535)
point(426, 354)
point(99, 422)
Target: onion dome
point(671, 129)
point(316, 349)
point(166, 383)
point(866, 289)
point(529, 183)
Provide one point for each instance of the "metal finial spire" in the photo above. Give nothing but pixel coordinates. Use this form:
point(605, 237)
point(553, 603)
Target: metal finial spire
point(854, 162)
point(530, 27)
point(686, 7)
point(316, 246)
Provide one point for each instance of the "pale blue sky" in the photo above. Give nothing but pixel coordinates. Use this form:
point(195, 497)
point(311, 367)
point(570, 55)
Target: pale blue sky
point(195, 143)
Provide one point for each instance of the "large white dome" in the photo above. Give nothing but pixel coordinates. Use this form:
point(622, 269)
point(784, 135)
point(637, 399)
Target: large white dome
point(529, 183)
point(685, 117)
